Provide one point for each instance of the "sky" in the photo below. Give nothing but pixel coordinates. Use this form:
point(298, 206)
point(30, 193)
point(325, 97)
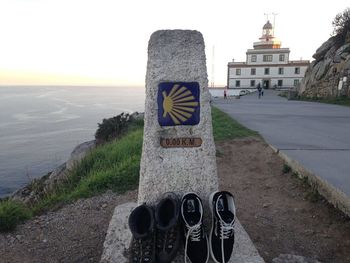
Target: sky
point(104, 42)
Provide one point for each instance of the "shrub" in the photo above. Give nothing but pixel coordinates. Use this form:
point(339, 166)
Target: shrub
point(11, 214)
point(341, 25)
point(286, 168)
point(113, 127)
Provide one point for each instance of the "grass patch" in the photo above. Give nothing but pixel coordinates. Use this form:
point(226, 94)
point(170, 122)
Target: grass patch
point(112, 166)
point(338, 100)
point(310, 189)
point(283, 94)
point(286, 168)
point(11, 214)
point(224, 127)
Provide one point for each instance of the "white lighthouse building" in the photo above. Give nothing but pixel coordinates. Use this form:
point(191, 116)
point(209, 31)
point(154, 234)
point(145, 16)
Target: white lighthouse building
point(268, 64)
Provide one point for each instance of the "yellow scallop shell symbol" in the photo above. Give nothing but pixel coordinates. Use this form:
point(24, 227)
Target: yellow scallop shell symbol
point(179, 104)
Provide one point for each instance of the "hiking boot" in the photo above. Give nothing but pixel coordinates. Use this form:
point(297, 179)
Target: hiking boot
point(222, 235)
point(167, 224)
point(196, 242)
point(141, 224)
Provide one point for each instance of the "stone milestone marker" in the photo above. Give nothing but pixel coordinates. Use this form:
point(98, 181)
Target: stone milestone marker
point(178, 149)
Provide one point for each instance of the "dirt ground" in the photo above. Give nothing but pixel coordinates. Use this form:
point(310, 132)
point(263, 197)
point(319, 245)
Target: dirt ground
point(275, 209)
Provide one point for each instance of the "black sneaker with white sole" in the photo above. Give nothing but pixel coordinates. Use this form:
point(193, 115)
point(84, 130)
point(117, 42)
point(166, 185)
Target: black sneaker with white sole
point(168, 230)
point(142, 226)
point(222, 236)
point(195, 240)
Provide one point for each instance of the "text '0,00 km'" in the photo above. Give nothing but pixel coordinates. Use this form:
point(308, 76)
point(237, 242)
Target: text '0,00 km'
point(180, 142)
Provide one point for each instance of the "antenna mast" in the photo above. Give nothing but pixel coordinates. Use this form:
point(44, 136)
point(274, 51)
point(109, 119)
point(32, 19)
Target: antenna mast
point(267, 16)
point(274, 18)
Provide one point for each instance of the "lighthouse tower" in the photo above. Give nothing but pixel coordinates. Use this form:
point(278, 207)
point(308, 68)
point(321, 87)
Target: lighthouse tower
point(267, 40)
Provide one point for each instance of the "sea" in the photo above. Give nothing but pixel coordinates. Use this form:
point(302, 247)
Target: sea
point(40, 126)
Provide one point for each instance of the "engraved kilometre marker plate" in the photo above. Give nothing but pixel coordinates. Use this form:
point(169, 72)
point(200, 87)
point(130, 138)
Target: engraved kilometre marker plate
point(180, 142)
point(178, 103)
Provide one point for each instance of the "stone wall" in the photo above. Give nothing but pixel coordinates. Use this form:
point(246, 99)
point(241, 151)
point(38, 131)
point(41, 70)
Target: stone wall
point(331, 65)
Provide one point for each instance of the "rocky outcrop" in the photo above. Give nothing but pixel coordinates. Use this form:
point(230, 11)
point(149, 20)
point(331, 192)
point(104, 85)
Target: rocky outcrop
point(33, 192)
point(329, 74)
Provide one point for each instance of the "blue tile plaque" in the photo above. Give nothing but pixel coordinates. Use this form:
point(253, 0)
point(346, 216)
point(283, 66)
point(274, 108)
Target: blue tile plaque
point(178, 103)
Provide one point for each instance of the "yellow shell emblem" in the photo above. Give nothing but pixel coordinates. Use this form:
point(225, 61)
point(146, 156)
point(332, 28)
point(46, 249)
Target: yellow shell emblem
point(179, 104)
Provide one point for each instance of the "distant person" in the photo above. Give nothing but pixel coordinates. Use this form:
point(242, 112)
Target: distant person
point(259, 90)
point(225, 94)
point(262, 91)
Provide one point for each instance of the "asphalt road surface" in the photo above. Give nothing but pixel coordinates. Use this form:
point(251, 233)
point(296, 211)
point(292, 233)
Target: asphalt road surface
point(314, 134)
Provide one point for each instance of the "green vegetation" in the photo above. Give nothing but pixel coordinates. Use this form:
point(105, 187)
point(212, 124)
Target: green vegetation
point(11, 214)
point(312, 193)
point(345, 101)
point(341, 25)
point(224, 127)
point(112, 166)
point(286, 168)
point(116, 127)
point(310, 189)
point(283, 94)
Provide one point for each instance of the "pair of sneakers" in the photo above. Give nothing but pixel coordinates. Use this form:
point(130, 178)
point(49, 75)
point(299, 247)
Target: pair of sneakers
point(221, 237)
point(155, 231)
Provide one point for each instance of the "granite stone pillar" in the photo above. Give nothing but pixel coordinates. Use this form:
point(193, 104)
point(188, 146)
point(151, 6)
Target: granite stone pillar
point(178, 150)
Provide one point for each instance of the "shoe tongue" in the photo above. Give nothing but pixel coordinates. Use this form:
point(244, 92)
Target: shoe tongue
point(227, 216)
point(221, 204)
point(192, 212)
point(191, 206)
point(192, 222)
point(223, 210)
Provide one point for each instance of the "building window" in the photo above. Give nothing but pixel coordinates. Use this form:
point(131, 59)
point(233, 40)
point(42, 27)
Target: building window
point(238, 83)
point(281, 57)
point(296, 82)
point(252, 71)
point(267, 58)
point(238, 71)
point(252, 83)
point(267, 71)
point(253, 58)
point(280, 83)
point(297, 71)
point(280, 71)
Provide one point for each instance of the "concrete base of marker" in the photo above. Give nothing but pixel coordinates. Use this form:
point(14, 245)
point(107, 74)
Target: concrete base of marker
point(115, 247)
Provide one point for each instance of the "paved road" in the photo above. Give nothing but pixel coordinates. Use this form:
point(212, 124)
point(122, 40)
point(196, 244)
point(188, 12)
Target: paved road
point(314, 134)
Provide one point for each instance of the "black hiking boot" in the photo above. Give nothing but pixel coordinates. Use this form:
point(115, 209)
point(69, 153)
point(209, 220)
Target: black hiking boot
point(195, 240)
point(141, 224)
point(222, 237)
point(167, 224)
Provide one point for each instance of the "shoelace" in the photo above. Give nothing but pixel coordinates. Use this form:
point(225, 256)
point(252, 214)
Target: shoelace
point(226, 230)
point(166, 239)
point(193, 233)
point(142, 250)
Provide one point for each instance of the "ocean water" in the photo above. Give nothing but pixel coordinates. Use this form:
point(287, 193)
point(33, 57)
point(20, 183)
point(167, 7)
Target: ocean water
point(40, 126)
